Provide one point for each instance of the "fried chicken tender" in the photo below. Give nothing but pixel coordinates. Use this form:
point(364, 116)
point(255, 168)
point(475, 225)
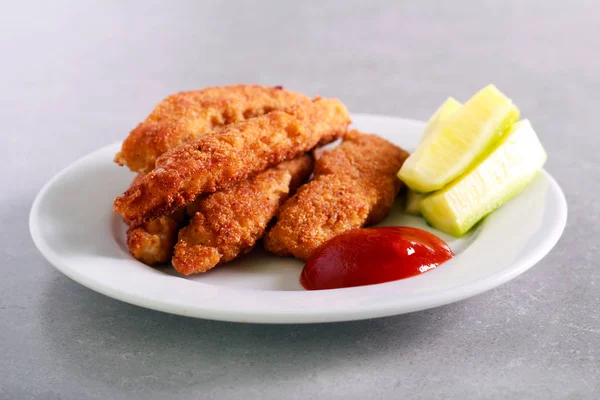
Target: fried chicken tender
point(230, 222)
point(153, 242)
point(231, 154)
point(189, 115)
point(354, 185)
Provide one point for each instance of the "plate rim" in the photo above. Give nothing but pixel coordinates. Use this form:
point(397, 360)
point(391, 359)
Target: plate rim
point(459, 293)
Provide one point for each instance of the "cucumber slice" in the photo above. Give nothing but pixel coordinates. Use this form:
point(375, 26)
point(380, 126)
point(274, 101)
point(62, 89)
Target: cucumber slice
point(447, 108)
point(504, 173)
point(458, 143)
point(413, 203)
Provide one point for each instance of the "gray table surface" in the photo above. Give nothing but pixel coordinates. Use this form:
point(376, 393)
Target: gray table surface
point(76, 76)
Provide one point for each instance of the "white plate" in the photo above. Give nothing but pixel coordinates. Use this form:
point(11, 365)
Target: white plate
point(73, 225)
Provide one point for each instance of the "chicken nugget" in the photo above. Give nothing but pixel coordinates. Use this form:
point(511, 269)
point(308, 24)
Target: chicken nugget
point(354, 185)
point(153, 242)
point(189, 115)
point(231, 154)
point(228, 223)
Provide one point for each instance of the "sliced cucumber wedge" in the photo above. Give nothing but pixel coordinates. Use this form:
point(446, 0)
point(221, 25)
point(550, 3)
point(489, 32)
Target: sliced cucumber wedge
point(510, 166)
point(457, 143)
point(413, 203)
point(447, 108)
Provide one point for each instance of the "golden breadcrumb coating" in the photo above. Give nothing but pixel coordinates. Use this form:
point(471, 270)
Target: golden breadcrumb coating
point(189, 115)
point(354, 185)
point(153, 242)
point(231, 154)
point(228, 223)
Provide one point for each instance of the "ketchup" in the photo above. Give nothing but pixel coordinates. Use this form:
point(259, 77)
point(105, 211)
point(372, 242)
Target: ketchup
point(374, 255)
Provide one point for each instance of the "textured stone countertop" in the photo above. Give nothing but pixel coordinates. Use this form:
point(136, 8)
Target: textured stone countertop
point(77, 76)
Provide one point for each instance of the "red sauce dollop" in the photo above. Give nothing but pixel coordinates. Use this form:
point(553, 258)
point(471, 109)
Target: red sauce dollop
point(374, 255)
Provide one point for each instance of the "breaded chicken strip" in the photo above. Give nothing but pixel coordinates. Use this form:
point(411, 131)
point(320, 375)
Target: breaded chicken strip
point(230, 222)
point(189, 115)
point(231, 154)
point(354, 185)
point(152, 242)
